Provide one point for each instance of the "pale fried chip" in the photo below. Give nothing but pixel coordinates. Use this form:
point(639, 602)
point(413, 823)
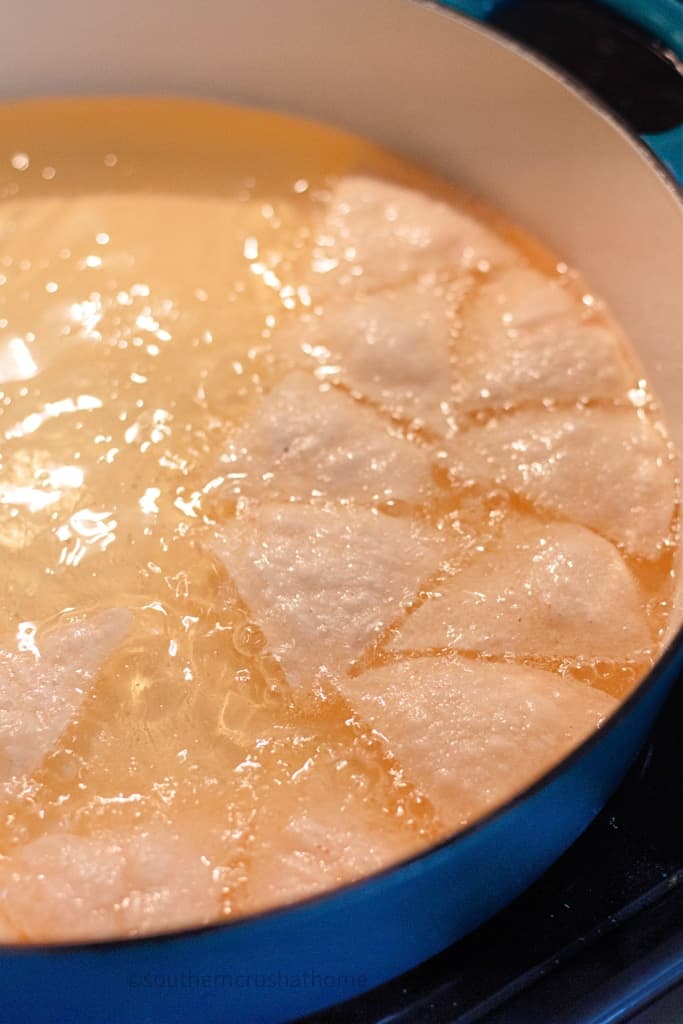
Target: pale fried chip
point(471, 734)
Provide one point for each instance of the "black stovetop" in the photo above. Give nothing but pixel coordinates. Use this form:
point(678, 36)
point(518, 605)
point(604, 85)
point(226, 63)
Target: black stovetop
point(596, 939)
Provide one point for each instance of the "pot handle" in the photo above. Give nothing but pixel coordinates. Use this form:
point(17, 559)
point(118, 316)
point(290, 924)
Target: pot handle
point(661, 23)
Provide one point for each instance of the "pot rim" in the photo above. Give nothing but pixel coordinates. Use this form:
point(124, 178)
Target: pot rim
point(671, 658)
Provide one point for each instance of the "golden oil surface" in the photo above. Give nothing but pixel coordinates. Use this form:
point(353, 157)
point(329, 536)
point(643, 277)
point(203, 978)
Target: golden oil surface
point(149, 252)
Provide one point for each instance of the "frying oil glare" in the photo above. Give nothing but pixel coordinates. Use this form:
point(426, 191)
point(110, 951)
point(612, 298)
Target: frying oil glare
point(299, 509)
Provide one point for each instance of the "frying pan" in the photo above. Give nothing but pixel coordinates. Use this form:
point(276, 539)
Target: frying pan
point(477, 108)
